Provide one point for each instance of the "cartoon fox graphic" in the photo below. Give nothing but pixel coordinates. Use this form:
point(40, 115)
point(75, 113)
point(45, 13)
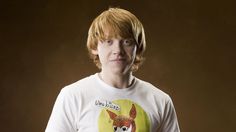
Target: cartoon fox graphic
point(123, 123)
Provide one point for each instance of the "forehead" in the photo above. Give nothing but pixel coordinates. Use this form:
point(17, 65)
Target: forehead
point(122, 121)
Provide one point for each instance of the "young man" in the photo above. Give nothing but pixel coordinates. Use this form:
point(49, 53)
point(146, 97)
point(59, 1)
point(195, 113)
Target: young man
point(113, 100)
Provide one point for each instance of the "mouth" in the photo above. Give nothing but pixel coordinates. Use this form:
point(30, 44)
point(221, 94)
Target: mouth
point(118, 59)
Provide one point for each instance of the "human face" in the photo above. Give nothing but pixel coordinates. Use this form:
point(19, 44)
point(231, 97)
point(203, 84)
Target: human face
point(116, 54)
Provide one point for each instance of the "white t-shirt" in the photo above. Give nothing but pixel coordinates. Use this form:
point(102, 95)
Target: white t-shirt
point(90, 105)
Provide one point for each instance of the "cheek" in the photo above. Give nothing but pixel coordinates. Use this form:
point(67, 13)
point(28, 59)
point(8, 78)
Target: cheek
point(100, 51)
point(102, 55)
point(101, 48)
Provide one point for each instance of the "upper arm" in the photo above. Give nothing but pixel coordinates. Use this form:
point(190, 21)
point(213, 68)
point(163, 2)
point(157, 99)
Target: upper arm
point(169, 121)
point(63, 116)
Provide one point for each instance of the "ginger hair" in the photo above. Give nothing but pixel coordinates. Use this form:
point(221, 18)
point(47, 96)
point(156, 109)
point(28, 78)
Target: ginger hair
point(124, 24)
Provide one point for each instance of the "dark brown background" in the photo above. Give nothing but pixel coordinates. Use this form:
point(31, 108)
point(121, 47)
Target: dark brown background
point(190, 55)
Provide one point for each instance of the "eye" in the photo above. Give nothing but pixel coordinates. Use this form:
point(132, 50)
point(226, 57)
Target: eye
point(124, 128)
point(115, 128)
point(108, 41)
point(128, 42)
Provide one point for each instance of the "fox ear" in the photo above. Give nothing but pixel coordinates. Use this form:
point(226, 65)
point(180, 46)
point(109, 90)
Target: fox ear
point(132, 112)
point(111, 114)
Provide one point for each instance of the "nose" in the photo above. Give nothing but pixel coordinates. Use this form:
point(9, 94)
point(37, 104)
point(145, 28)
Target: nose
point(118, 47)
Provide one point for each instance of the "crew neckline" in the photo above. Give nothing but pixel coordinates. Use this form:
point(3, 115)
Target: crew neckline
point(114, 89)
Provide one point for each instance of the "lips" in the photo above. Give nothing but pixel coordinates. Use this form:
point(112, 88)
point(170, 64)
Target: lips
point(118, 59)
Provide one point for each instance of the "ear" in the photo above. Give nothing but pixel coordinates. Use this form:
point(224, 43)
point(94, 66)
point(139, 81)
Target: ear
point(94, 52)
point(132, 112)
point(111, 114)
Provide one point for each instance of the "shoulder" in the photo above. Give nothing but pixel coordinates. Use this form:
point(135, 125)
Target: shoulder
point(79, 85)
point(152, 90)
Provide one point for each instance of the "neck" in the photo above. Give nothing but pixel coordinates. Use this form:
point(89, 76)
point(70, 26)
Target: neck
point(117, 80)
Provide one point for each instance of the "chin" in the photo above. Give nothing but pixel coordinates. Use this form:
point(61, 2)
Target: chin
point(120, 71)
point(117, 71)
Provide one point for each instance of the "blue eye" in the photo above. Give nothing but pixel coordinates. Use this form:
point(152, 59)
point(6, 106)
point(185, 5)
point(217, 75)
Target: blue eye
point(108, 41)
point(128, 42)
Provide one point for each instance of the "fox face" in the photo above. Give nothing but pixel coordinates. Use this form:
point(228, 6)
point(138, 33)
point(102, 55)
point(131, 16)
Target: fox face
point(123, 123)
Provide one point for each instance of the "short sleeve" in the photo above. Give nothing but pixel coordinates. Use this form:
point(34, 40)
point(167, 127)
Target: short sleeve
point(63, 118)
point(169, 122)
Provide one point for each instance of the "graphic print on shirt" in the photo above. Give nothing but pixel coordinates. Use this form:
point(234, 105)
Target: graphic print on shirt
point(130, 117)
